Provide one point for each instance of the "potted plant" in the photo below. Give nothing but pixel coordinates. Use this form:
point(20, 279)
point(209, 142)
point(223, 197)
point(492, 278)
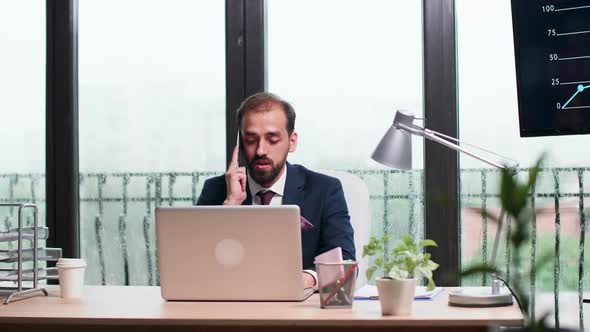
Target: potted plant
point(401, 267)
point(515, 200)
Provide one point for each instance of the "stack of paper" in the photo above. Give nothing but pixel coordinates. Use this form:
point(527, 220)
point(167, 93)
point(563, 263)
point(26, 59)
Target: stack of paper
point(370, 292)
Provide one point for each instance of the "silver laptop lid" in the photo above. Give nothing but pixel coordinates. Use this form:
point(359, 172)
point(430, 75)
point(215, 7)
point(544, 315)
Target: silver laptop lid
point(230, 253)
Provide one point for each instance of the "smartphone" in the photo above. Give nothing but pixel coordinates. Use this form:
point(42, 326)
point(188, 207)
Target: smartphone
point(241, 155)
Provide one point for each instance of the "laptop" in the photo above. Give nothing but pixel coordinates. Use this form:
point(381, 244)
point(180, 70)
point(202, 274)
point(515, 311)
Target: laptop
point(230, 253)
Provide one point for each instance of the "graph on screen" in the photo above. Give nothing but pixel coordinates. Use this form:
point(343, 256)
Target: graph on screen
point(552, 53)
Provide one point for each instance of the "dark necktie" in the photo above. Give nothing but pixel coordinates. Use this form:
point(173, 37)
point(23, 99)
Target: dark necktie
point(265, 197)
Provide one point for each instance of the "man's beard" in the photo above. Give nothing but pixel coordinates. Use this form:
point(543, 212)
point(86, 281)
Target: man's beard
point(265, 177)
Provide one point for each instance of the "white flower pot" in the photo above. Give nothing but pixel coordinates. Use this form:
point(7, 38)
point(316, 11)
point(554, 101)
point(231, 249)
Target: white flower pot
point(396, 296)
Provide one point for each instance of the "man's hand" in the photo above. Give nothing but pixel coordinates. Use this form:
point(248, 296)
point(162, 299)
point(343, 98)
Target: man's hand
point(308, 280)
point(235, 181)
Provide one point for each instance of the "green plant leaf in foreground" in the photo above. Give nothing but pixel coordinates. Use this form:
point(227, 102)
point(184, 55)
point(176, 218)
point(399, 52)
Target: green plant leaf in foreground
point(478, 269)
point(515, 201)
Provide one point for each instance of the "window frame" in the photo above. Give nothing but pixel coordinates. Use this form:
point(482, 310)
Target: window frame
point(245, 75)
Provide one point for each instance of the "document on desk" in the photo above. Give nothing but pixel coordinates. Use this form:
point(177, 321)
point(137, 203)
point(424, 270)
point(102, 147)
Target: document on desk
point(369, 292)
point(330, 274)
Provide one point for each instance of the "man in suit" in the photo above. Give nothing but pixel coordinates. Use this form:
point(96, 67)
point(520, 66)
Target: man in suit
point(267, 130)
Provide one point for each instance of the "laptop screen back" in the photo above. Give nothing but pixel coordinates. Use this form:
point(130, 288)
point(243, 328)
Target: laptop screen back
point(230, 253)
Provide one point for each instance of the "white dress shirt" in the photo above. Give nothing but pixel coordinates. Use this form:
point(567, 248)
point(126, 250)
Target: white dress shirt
point(279, 189)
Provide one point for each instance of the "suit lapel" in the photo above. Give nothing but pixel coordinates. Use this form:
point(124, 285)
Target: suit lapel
point(294, 194)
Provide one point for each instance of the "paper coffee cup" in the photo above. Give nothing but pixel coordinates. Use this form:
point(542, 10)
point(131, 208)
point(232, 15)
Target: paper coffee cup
point(71, 277)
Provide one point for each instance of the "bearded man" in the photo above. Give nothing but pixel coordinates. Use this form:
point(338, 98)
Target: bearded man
point(267, 136)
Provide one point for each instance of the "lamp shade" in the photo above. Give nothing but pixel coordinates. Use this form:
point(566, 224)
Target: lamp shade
point(395, 148)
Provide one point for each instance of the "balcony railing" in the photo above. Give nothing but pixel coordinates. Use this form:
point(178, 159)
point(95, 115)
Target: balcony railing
point(118, 240)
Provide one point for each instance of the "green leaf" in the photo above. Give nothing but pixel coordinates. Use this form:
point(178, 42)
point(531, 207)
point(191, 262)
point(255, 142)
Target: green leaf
point(423, 270)
point(399, 249)
point(508, 193)
point(388, 267)
point(403, 253)
point(489, 215)
point(385, 239)
point(534, 173)
point(397, 273)
point(428, 243)
point(432, 265)
point(544, 259)
point(373, 247)
point(409, 242)
point(430, 285)
point(371, 271)
point(478, 269)
point(379, 261)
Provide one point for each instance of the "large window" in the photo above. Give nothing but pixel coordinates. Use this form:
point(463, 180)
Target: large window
point(152, 118)
point(489, 117)
point(346, 70)
point(22, 107)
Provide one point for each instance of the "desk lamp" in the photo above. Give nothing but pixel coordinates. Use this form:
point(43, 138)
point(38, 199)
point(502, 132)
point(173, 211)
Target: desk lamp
point(395, 150)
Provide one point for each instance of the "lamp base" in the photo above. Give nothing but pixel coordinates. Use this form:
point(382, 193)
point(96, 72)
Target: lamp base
point(480, 297)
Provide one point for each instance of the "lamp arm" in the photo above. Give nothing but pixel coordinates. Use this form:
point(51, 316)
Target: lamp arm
point(432, 135)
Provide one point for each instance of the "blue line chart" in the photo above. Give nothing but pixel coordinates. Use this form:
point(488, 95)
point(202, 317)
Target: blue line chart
point(580, 89)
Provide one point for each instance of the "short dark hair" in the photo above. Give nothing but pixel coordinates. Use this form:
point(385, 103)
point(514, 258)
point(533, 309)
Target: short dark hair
point(265, 99)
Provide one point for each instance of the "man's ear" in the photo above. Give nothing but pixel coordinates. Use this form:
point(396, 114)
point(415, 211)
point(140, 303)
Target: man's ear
point(293, 142)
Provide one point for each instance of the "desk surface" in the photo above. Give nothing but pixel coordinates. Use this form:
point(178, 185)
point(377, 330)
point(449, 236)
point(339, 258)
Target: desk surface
point(115, 305)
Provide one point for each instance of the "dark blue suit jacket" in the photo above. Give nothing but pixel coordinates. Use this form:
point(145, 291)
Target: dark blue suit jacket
point(321, 201)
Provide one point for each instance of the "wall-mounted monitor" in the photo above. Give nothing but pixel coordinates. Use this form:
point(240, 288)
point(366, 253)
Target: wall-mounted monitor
point(552, 51)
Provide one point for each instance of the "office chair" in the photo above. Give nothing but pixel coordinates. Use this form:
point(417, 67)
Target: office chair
point(357, 199)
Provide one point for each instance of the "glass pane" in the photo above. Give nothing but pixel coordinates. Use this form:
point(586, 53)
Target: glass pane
point(152, 105)
point(489, 118)
point(346, 75)
point(22, 109)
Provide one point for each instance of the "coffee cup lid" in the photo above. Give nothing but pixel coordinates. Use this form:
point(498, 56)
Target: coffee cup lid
point(71, 262)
